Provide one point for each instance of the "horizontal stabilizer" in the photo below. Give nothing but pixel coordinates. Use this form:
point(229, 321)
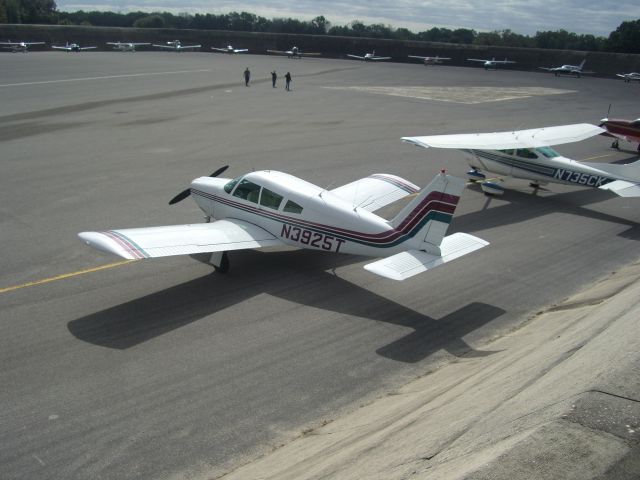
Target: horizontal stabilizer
point(623, 188)
point(629, 171)
point(407, 264)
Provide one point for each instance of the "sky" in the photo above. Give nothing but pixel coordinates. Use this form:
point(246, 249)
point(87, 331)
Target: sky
point(596, 17)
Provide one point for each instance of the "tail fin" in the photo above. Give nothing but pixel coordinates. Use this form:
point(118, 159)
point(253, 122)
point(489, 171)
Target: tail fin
point(426, 218)
point(582, 64)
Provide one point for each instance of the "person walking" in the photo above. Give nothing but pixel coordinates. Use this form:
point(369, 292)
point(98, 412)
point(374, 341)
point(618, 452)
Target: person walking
point(287, 79)
point(247, 77)
point(274, 77)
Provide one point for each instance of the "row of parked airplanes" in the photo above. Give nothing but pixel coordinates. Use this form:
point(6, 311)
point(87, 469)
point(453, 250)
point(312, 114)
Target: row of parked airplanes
point(295, 52)
point(268, 208)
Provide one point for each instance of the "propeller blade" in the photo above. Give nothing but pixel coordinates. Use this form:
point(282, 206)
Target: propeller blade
point(219, 171)
point(181, 196)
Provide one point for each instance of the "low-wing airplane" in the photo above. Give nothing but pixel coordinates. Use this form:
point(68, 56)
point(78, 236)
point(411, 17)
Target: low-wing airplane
point(493, 63)
point(230, 49)
point(126, 46)
point(72, 47)
point(18, 46)
point(629, 77)
point(628, 130)
point(576, 70)
point(431, 60)
point(176, 46)
point(368, 57)
point(295, 52)
point(269, 208)
point(527, 154)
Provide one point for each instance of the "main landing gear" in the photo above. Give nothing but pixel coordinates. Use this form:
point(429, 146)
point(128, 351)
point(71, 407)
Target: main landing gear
point(488, 187)
point(220, 262)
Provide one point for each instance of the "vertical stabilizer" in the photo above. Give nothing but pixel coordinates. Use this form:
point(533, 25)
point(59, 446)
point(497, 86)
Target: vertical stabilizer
point(426, 218)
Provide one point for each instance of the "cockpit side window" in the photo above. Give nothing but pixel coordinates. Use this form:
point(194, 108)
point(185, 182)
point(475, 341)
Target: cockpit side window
point(292, 207)
point(270, 199)
point(525, 153)
point(547, 152)
point(508, 152)
point(247, 191)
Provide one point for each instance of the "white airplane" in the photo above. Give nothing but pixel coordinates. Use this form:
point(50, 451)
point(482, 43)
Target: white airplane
point(176, 46)
point(18, 46)
point(126, 46)
point(269, 208)
point(295, 52)
point(628, 77)
point(230, 49)
point(527, 154)
point(430, 60)
point(493, 63)
point(72, 47)
point(576, 70)
point(368, 57)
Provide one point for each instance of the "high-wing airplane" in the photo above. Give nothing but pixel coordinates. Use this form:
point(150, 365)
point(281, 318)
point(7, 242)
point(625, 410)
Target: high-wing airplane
point(628, 77)
point(527, 154)
point(493, 63)
point(576, 70)
point(126, 46)
point(176, 46)
point(295, 52)
point(19, 46)
point(269, 208)
point(628, 130)
point(430, 60)
point(230, 49)
point(368, 57)
point(72, 47)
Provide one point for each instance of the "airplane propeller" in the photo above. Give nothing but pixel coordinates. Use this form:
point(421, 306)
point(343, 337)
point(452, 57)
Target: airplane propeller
point(185, 193)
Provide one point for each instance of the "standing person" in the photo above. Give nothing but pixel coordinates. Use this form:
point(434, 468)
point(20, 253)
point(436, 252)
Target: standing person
point(287, 79)
point(247, 77)
point(274, 77)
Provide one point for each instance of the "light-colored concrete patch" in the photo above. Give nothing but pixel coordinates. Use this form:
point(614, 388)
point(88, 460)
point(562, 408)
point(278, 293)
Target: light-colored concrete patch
point(464, 95)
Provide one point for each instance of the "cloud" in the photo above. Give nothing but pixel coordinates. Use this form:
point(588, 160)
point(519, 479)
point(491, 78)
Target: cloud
point(597, 17)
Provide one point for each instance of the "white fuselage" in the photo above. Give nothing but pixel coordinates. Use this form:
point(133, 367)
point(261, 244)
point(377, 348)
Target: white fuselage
point(320, 220)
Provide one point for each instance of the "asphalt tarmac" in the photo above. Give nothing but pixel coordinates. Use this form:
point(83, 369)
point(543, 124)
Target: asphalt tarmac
point(161, 369)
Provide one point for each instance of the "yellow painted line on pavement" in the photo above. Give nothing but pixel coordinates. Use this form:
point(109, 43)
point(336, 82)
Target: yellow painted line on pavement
point(64, 275)
point(597, 156)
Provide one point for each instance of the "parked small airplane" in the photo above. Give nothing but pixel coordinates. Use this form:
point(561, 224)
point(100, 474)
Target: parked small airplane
point(430, 60)
point(72, 47)
point(628, 77)
point(295, 52)
point(176, 46)
point(527, 154)
point(19, 46)
point(576, 70)
point(368, 57)
point(493, 63)
point(126, 46)
point(269, 208)
point(628, 130)
point(230, 49)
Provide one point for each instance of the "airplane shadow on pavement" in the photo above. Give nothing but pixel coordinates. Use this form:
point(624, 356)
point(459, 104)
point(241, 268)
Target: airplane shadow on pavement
point(297, 276)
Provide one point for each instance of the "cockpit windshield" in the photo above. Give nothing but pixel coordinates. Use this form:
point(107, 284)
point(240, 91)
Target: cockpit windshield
point(229, 186)
point(547, 152)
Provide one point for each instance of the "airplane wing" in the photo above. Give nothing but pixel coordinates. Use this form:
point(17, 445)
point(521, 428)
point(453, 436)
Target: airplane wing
point(218, 236)
point(309, 54)
point(623, 188)
point(87, 48)
point(548, 69)
point(502, 61)
point(169, 47)
point(61, 48)
point(223, 50)
point(536, 137)
point(240, 50)
point(184, 47)
point(355, 56)
point(279, 52)
point(375, 191)
point(476, 60)
point(412, 262)
point(380, 58)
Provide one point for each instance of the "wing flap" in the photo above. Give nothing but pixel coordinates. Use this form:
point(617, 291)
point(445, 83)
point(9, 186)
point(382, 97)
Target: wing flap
point(412, 262)
point(623, 188)
point(375, 191)
point(533, 138)
point(222, 235)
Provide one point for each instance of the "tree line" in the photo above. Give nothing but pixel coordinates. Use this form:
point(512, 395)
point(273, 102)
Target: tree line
point(625, 39)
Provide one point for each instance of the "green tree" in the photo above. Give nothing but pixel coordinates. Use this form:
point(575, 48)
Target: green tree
point(150, 21)
point(625, 38)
